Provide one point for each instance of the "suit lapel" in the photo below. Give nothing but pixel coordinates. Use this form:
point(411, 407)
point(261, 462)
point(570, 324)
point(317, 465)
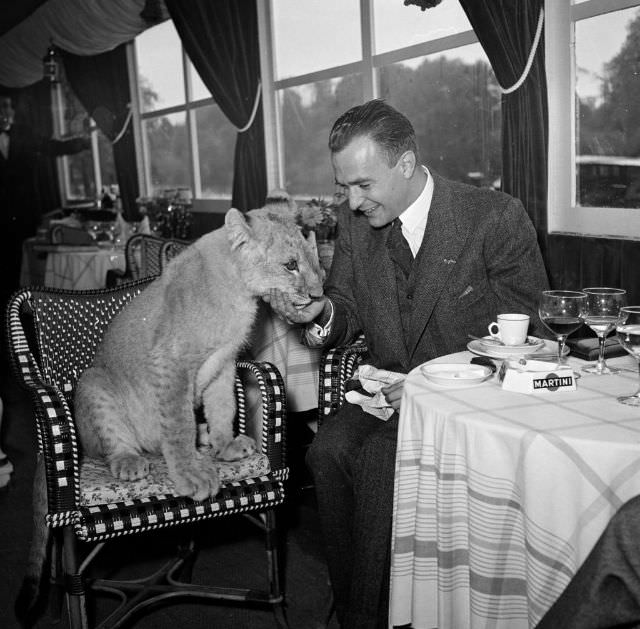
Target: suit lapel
point(443, 241)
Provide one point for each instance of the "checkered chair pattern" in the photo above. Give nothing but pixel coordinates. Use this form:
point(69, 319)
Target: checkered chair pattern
point(336, 367)
point(53, 336)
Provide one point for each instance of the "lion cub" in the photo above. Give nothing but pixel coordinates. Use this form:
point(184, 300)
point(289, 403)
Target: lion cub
point(173, 348)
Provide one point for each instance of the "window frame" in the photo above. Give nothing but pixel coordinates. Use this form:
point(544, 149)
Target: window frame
point(190, 107)
point(563, 214)
point(367, 67)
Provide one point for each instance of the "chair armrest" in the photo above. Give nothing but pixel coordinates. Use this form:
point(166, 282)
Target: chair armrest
point(271, 435)
point(58, 441)
point(337, 365)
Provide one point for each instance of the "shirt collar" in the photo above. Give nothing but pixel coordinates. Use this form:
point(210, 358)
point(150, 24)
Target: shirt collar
point(415, 216)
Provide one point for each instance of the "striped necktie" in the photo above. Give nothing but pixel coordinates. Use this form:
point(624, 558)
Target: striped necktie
point(399, 249)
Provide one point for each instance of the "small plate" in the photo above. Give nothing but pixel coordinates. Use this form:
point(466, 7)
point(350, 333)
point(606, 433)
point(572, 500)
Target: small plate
point(455, 374)
point(533, 344)
point(481, 348)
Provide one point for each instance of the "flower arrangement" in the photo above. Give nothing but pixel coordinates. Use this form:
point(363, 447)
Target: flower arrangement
point(319, 215)
point(169, 214)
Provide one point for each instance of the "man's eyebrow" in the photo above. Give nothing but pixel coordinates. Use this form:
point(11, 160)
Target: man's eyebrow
point(355, 182)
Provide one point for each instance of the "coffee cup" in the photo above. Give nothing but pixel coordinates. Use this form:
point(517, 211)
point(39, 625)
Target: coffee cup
point(511, 329)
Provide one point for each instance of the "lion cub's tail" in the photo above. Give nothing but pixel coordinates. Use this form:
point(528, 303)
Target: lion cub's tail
point(29, 604)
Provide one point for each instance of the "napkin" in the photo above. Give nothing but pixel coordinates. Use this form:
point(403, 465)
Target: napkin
point(144, 227)
point(370, 397)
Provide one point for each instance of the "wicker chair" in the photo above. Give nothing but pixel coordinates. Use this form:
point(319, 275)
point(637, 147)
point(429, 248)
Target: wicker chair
point(60, 234)
point(144, 258)
point(53, 335)
point(170, 249)
point(336, 367)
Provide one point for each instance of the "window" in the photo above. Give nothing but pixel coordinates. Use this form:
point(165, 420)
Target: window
point(83, 175)
point(592, 55)
point(322, 57)
point(187, 142)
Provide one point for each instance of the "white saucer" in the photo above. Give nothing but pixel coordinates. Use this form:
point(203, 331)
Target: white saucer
point(483, 348)
point(455, 374)
point(533, 344)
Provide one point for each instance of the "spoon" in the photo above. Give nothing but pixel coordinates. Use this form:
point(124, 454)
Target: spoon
point(485, 340)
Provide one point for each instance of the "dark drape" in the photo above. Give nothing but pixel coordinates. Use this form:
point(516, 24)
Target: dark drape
point(221, 39)
point(33, 108)
point(506, 31)
point(101, 84)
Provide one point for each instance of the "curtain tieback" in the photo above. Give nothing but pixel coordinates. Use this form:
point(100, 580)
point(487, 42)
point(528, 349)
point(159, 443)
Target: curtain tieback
point(532, 54)
point(124, 126)
point(255, 109)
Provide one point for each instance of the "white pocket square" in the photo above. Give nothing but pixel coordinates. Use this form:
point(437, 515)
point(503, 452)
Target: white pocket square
point(466, 291)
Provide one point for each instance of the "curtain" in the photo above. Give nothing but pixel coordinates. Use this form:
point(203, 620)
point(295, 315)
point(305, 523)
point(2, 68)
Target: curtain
point(221, 39)
point(33, 108)
point(101, 84)
point(506, 30)
point(83, 27)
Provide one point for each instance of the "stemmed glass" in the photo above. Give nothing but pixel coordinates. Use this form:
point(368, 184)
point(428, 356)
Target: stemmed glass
point(628, 332)
point(562, 312)
point(603, 306)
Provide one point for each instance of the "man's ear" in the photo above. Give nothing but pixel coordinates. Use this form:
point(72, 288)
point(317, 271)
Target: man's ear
point(407, 163)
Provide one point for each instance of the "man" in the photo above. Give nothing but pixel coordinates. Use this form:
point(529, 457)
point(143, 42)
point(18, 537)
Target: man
point(20, 205)
point(420, 263)
point(605, 592)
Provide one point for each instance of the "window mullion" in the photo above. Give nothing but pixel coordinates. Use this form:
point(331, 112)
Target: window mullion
point(192, 135)
point(369, 82)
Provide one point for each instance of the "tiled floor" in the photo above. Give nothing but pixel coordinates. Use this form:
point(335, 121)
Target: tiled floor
point(231, 548)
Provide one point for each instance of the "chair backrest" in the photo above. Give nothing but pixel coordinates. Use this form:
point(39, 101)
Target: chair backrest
point(53, 334)
point(170, 249)
point(69, 235)
point(142, 254)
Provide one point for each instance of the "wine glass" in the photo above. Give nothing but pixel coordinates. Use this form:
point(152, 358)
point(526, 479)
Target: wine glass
point(628, 332)
point(562, 312)
point(603, 306)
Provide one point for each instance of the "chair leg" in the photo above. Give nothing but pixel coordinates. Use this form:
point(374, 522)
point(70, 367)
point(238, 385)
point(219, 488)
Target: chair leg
point(56, 593)
point(272, 549)
point(75, 593)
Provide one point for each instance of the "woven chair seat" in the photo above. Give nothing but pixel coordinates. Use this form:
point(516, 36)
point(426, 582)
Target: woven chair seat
point(97, 484)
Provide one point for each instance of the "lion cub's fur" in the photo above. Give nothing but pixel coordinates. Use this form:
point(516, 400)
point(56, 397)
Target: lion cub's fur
point(173, 348)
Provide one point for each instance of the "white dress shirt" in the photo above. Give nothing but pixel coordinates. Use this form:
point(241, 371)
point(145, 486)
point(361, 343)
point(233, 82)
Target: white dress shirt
point(414, 218)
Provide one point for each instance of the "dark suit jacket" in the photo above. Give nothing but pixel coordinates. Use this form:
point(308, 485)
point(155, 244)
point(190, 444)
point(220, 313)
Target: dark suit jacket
point(479, 258)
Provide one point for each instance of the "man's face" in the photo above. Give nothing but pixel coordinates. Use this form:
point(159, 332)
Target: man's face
point(6, 113)
point(372, 187)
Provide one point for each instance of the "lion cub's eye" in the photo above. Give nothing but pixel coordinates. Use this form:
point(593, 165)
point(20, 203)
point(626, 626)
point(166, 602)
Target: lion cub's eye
point(292, 265)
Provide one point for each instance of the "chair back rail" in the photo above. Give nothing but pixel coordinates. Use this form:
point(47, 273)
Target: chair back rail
point(170, 249)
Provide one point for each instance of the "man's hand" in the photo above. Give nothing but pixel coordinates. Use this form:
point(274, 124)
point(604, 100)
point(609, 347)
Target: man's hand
point(281, 304)
point(393, 394)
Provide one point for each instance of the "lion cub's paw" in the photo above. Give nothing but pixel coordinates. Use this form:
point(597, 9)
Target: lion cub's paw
point(198, 480)
point(240, 448)
point(129, 466)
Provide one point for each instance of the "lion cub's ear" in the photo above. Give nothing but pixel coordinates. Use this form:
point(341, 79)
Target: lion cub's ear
point(238, 230)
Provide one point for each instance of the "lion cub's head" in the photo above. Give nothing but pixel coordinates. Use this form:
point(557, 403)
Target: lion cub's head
point(268, 246)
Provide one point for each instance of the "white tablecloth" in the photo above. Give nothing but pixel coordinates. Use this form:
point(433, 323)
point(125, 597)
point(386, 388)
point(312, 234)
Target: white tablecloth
point(500, 496)
point(81, 268)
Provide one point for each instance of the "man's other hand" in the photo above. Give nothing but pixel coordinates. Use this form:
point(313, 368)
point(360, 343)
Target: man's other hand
point(393, 394)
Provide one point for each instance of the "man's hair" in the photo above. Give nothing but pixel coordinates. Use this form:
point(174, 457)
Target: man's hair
point(386, 126)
